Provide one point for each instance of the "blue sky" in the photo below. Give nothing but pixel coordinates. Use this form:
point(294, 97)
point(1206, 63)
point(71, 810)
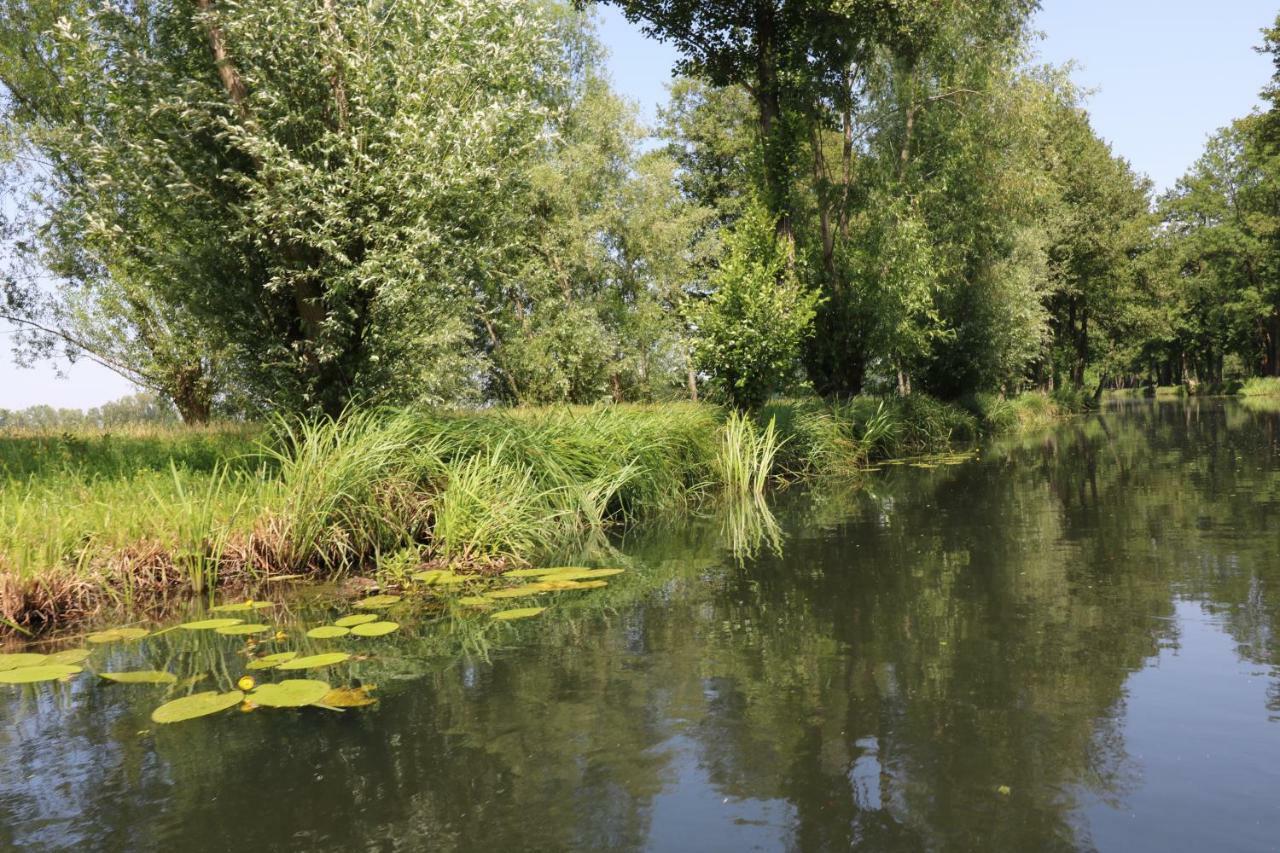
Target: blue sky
point(1165, 74)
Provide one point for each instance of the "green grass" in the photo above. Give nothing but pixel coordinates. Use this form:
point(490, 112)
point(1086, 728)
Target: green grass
point(113, 516)
point(1261, 386)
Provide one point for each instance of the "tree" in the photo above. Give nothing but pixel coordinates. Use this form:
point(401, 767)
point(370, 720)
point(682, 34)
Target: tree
point(758, 314)
point(313, 187)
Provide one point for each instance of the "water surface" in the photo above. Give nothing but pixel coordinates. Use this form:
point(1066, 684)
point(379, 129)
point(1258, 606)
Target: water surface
point(1068, 643)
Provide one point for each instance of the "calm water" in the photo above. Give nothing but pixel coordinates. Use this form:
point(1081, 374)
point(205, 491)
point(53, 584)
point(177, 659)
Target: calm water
point(1069, 643)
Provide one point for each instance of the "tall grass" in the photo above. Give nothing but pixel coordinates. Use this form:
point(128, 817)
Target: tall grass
point(1261, 386)
point(744, 461)
point(91, 518)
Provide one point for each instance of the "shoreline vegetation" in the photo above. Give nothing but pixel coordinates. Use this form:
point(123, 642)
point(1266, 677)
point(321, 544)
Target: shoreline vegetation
point(140, 518)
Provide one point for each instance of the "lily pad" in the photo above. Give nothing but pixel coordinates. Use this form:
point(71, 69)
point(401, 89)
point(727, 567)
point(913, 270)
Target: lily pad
point(585, 574)
point(196, 705)
point(375, 629)
point(290, 693)
point(242, 630)
point(358, 619)
point(377, 602)
point(347, 697)
point(241, 606)
point(209, 624)
point(591, 584)
point(32, 674)
point(439, 577)
point(70, 656)
point(475, 601)
point(518, 613)
point(144, 676)
point(116, 635)
point(533, 573)
point(517, 591)
point(271, 661)
point(316, 661)
point(20, 660)
point(328, 632)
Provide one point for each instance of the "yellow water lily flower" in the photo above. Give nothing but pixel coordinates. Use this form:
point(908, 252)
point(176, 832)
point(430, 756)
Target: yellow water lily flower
point(246, 682)
point(280, 635)
point(248, 705)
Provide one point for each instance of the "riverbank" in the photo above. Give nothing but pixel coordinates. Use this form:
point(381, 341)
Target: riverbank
point(136, 519)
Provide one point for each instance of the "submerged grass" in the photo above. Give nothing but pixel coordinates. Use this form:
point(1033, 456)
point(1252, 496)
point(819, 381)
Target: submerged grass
point(89, 521)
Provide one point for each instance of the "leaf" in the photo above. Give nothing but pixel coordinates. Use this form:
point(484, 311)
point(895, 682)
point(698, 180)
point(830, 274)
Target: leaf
point(70, 656)
point(115, 635)
point(357, 619)
point(271, 661)
point(242, 630)
point(439, 577)
point(316, 661)
point(347, 697)
point(533, 573)
point(196, 705)
point(585, 574)
point(518, 613)
point(241, 606)
point(21, 659)
point(517, 591)
point(32, 674)
point(143, 676)
point(475, 601)
point(377, 602)
point(209, 624)
point(290, 693)
point(375, 629)
point(591, 584)
point(328, 632)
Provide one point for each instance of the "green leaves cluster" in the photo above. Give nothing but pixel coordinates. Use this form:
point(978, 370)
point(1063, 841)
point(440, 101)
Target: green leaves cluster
point(751, 326)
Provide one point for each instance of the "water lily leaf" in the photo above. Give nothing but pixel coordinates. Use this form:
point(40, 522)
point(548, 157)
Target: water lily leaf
point(377, 602)
point(209, 624)
point(375, 629)
point(271, 661)
point(562, 586)
point(358, 619)
point(115, 635)
point(439, 577)
point(316, 661)
point(241, 606)
point(196, 705)
point(21, 659)
point(144, 676)
point(533, 573)
point(347, 697)
point(328, 632)
point(69, 656)
point(44, 672)
point(290, 693)
point(585, 574)
point(517, 591)
point(242, 630)
point(591, 584)
point(518, 613)
point(475, 601)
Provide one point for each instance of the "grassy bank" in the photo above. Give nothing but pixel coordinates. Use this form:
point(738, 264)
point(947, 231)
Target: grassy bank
point(132, 519)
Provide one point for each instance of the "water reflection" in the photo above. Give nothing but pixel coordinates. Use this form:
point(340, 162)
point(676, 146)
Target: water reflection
point(1067, 644)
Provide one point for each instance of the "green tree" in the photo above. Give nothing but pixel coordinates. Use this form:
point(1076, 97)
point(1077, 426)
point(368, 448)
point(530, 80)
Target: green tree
point(758, 314)
point(314, 186)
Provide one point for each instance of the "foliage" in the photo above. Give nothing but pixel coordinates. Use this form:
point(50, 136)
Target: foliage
point(752, 325)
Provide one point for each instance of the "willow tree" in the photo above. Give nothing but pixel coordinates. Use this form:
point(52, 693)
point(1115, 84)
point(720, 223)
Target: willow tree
point(312, 186)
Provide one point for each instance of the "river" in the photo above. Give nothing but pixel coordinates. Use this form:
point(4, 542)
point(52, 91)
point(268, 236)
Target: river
point(1068, 642)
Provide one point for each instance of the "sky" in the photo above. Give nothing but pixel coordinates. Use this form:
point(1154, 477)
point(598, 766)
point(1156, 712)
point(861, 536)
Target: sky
point(1164, 74)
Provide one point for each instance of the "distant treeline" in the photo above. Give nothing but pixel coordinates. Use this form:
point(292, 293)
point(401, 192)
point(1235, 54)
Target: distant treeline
point(285, 205)
point(136, 409)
